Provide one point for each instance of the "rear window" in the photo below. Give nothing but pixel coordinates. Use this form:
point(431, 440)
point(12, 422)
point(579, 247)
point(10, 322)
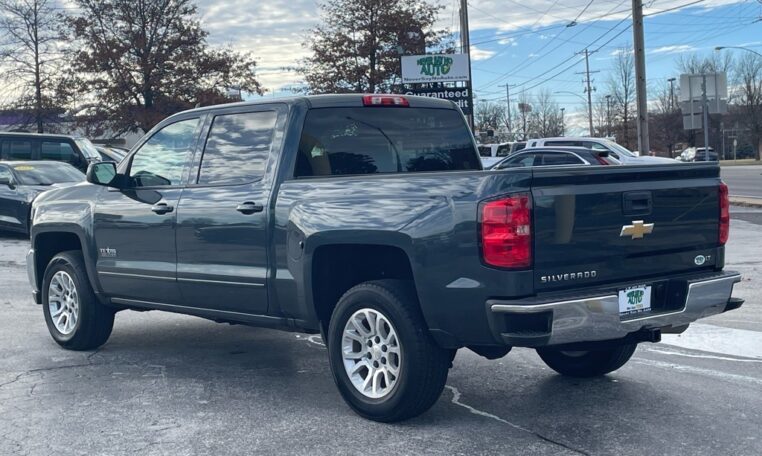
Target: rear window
point(342, 141)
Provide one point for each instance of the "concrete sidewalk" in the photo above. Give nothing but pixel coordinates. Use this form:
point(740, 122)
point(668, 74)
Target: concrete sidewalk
point(745, 201)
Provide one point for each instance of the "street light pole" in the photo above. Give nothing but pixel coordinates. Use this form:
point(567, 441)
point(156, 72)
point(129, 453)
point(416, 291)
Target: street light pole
point(671, 94)
point(719, 48)
point(608, 116)
point(563, 125)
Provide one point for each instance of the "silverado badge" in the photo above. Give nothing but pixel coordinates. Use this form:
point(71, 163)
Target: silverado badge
point(637, 230)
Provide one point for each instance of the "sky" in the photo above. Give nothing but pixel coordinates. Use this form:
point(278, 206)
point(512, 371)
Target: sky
point(527, 44)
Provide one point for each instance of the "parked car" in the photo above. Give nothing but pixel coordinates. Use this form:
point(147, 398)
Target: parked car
point(368, 219)
point(697, 154)
point(622, 154)
point(111, 154)
point(556, 156)
point(76, 151)
point(22, 181)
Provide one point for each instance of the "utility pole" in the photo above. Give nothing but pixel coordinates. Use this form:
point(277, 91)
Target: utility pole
point(644, 147)
point(671, 94)
point(589, 91)
point(465, 43)
point(508, 112)
point(608, 116)
point(563, 125)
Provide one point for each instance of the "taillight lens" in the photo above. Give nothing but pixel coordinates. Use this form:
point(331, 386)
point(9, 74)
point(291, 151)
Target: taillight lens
point(506, 226)
point(385, 100)
point(724, 213)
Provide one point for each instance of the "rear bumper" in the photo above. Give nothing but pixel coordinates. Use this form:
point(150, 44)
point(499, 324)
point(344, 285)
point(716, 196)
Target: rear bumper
point(596, 317)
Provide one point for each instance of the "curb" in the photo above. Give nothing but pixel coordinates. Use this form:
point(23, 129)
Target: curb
point(745, 201)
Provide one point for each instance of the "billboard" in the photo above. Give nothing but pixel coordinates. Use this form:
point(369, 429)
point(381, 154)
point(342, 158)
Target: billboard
point(458, 95)
point(417, 69)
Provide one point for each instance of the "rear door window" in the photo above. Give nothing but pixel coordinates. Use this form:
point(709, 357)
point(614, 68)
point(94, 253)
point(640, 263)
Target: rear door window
point(520, 161)
point(18, 149)
point(556, 159)
point(237, 148)
point(346, 141)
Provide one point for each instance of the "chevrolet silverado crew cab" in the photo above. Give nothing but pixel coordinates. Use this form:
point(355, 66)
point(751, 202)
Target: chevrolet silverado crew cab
point(369, 219)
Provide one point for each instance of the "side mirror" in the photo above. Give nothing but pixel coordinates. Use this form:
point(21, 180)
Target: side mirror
point(6, 180)
point(103, 173)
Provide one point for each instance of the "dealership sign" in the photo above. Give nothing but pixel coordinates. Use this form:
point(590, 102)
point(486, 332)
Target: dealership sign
point(434, 68)
point(459, 96)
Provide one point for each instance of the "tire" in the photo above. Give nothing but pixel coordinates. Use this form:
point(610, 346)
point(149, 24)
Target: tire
point(421, 365)
point(587, 363)
point(90, 325)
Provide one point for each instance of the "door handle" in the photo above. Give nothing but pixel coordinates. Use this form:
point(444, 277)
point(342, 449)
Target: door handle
point(249, 208)
point(162, 208)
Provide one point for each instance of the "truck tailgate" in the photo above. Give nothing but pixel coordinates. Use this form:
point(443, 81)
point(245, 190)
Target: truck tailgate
point(624, 224)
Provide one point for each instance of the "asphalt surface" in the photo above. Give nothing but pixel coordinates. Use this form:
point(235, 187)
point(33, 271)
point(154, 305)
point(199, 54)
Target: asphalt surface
point(743, 180)
point(174, 385)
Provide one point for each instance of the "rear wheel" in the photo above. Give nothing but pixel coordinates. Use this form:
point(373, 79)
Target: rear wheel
point(591, 363)
point(384, 362)
point(75, 318)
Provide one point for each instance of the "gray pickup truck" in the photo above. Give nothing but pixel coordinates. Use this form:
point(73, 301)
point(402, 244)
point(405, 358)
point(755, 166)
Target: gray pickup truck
point(368, 219)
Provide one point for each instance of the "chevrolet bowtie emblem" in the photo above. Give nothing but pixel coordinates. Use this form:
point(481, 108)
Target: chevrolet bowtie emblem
point(637, 229)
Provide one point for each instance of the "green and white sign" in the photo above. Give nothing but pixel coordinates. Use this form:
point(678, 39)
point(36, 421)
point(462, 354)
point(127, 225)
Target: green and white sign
point(418, 69)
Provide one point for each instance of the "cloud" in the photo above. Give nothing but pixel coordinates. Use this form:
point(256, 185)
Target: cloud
point(480, 54)
point(672, 49)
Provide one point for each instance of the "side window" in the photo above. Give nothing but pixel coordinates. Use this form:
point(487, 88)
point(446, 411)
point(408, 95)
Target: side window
point(485, 151)
point(504, 150)
point(560, 159)
point(161, 160)
point(237, 148)
point(59, 151)
point(522, 161)
point(19, 149)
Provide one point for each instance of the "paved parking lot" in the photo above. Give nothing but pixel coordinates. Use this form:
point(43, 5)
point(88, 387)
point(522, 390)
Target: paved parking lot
point(175, 385)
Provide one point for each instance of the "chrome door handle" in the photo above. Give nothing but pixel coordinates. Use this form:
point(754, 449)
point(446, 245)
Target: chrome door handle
point(162, 208)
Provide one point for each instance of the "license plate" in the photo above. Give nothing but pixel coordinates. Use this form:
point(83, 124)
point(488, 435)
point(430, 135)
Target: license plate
point(634, 300)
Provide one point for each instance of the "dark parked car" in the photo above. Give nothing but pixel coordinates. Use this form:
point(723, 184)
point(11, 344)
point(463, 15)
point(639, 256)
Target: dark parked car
point(556, 156)
point(76, 151)
point(21, 182)
point(369, 219)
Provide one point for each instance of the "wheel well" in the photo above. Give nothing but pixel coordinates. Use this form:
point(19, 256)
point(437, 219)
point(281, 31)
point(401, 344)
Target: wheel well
point(48, 245)
point(337, 268)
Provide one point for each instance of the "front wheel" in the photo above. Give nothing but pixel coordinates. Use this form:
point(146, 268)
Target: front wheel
point(75, 318)
point(384, 362)
point(591, 363)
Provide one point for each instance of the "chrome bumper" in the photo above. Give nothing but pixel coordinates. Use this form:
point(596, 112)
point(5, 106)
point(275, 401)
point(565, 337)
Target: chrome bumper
point(597, 318)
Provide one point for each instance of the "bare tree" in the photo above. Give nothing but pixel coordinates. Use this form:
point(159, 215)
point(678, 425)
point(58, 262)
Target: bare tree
point(31, 55)
point(622, 88)
point(749, 82)
point(488, 116)
point(546, 116)
point(358, 45)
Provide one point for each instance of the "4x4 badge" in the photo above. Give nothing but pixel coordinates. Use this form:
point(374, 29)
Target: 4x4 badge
point(637, 230)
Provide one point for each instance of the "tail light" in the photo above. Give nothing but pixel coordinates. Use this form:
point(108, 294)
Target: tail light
point(385, 100)
point(724, 213)
point(506, 232)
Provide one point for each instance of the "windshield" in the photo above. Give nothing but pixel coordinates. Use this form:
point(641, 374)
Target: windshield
point(87, 147)
point(342, 141)
point(617, 148)
point(47, 174)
